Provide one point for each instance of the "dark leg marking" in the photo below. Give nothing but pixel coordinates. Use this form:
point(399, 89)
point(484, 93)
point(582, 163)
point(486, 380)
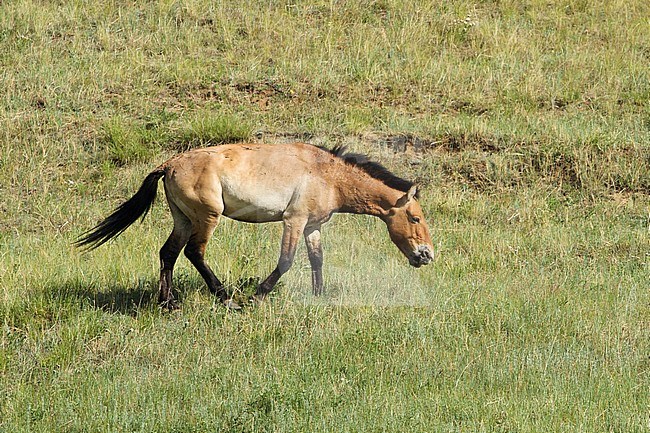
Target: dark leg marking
point(168, 255)
point(195, 251)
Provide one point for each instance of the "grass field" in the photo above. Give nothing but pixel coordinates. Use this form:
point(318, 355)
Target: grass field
point(527, 123)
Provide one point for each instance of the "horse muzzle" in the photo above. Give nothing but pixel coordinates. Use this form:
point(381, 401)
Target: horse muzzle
point(422, 256)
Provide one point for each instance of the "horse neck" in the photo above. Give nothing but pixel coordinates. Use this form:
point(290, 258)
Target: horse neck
point(366, 195)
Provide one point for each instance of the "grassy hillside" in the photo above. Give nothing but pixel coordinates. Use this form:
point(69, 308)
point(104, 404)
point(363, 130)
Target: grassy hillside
point(527, 124)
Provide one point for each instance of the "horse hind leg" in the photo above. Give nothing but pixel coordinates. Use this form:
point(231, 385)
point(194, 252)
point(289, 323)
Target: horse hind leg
point(168, 255)
point(195, 252)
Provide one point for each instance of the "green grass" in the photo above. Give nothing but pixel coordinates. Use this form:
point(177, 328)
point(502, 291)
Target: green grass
point(515, 327)
point(527, 123)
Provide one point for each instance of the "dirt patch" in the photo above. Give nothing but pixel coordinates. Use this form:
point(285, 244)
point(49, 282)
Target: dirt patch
point(485, 162)
point(452, 143)
point(466, 107)
point(261, 93)
point(287, 137)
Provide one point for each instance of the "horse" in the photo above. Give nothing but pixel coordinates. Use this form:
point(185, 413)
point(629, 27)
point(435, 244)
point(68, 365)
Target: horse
point(299, 184)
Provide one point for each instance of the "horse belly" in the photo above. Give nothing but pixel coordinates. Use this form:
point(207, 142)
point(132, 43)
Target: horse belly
point(242, 204)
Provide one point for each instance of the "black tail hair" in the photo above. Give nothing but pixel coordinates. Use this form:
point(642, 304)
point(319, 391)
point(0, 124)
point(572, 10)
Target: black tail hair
point(126, 214)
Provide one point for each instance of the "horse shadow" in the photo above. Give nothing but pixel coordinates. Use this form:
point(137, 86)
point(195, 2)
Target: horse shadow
point(131, 299)
point(124, 299)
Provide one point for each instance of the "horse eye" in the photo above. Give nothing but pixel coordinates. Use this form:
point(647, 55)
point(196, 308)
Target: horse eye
point(415, 219)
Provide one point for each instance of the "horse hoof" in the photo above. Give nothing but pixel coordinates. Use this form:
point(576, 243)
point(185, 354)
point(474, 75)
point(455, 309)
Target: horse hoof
point(257, 300)
point(231, 305)
point(170, 305)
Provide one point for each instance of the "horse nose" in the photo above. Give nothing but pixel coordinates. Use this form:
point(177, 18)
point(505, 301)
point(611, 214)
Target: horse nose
point(425, 254)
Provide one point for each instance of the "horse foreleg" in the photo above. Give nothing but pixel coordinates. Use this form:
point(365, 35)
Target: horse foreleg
point(315, 252)
point(293, 230)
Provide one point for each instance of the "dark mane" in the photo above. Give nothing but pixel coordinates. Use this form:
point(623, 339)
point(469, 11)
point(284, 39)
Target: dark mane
point(372, 168)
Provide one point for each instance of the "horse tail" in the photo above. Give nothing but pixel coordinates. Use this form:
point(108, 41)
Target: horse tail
point(126, 214)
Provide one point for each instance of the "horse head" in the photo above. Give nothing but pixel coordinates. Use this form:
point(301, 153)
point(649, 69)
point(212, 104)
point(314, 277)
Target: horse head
point(408, 229)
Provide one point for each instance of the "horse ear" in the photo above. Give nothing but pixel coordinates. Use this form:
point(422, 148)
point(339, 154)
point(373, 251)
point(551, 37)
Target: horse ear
point(410, 195)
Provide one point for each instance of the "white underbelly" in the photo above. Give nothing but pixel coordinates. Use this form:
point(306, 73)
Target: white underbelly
point(256, 208)
point(252, 212)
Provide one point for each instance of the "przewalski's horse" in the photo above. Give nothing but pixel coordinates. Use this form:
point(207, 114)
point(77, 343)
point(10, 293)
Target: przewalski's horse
point(299, 184)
